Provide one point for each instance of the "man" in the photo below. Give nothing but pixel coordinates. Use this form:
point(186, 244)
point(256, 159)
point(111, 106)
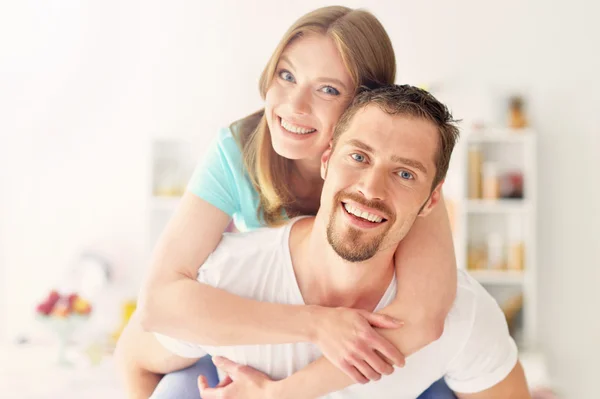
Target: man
point(385, 168)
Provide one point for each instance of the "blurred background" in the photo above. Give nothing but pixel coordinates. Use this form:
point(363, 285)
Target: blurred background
point(105, 107)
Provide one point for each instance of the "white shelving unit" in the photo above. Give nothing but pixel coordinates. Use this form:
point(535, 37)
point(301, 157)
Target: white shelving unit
point(478, 219)
point(172, 161)
point(506, 206)
point(513, 277)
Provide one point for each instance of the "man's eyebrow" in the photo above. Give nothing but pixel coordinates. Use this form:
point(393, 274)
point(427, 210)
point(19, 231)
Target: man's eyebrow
point(361, 145)
point(395, 158)
point(410, 162)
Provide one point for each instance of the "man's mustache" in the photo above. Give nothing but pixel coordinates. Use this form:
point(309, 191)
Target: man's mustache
point(359, 199)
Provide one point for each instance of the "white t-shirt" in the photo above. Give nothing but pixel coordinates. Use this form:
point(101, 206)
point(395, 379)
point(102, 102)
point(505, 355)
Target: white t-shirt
point(474, 353)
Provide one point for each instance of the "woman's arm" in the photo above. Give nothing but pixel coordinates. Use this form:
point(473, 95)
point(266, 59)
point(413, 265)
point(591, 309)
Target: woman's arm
point(315, 380)
point(426, 272)
point(174, 303)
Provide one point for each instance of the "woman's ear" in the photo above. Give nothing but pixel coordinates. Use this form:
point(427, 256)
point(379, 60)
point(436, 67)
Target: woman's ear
point(325, 161)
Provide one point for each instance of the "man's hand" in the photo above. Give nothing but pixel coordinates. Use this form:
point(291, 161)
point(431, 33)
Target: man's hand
point(242, 382)
point(348, 339)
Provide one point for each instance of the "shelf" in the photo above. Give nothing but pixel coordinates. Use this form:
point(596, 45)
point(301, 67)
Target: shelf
point(500, 135)
point(498, 276)
point(512, 151)
point(496, 206)
point(164, 203)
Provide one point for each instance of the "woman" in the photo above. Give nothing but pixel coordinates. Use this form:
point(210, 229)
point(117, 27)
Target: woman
point(263, 170)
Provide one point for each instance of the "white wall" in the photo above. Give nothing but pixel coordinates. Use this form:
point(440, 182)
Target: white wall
point(85, 84)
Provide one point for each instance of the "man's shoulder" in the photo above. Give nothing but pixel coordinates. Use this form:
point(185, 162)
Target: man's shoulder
point(255, 264)
point(483, 350)
point(471, 305)
point(249, 243)
point(474, 318)
point(467, 287)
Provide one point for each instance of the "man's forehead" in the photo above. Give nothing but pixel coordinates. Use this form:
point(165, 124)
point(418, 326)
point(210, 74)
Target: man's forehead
point(371, 121)
point(371, 113)
point(399, 135)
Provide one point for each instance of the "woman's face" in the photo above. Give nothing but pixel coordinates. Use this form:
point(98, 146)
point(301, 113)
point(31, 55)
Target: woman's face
point(309, 92)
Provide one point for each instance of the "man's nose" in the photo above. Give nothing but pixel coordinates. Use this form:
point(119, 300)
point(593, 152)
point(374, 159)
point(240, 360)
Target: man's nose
point(373, 184)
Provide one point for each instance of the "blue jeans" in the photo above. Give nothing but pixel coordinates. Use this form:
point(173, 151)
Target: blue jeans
point(183, 384)
point(438, 390)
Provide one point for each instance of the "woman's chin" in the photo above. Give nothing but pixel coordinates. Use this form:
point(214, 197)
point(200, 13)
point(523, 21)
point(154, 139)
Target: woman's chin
point(296, 146)
point(291, 151)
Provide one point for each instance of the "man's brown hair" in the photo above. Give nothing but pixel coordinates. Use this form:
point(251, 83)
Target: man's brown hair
point(414, 102)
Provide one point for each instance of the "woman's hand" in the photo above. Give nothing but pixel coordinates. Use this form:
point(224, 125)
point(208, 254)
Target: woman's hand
point(348, 340)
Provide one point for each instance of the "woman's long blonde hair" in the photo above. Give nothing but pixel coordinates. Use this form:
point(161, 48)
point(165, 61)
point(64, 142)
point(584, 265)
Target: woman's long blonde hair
point(368, 55)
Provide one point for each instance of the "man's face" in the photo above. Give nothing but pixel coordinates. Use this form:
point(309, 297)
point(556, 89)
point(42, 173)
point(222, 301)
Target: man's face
point(377, 181)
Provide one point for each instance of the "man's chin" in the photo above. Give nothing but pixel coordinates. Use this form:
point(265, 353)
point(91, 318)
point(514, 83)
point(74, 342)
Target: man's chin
point(351, 244)
point(352, 251)
point(354, 256)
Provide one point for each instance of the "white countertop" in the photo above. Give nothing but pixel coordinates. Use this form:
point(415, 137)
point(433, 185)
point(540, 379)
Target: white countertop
point(32, 372)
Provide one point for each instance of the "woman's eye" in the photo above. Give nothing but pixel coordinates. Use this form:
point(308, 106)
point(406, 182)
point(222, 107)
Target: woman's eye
point(287, 76)
point(358, 157)
point(406, 175)
point(330, 90)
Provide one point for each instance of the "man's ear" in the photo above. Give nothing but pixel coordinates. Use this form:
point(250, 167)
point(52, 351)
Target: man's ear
point(325, 161)
point(433, 200)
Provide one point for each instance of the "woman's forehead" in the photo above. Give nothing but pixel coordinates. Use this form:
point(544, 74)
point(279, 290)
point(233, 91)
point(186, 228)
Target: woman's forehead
point(316, 54)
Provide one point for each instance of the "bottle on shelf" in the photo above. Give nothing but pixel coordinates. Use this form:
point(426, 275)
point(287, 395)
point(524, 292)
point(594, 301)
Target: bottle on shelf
point(495, 252)
point(516, 115)
point(476, 256)
point(516, 246)
point(474, 173)
point(491, 181)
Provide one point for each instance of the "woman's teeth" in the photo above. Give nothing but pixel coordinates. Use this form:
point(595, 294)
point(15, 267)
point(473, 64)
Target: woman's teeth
point(295, 129)
point(364, 215)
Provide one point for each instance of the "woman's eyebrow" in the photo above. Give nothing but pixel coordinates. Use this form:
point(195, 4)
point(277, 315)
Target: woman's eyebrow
point(286, 59)
point(336, 81)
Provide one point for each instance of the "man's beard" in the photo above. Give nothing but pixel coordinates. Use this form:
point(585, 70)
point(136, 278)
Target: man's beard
point(351, 245)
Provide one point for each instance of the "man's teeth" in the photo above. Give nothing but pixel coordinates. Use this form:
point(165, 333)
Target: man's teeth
point(295, 129)
point(364, 215)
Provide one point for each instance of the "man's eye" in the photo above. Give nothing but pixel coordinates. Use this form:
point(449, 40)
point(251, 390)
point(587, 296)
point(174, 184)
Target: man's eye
point(358, 157)
point(287, 76)
point(406, 175)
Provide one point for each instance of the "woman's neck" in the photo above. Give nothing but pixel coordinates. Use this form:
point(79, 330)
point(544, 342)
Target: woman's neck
point(306, 183)
point(308, 171)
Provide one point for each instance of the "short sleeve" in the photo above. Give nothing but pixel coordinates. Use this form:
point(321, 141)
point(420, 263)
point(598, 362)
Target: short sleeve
point(214, 179)
point(489, 353)
point(180, 348)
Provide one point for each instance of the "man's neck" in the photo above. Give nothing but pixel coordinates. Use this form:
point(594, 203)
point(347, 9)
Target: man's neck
point(326, 279)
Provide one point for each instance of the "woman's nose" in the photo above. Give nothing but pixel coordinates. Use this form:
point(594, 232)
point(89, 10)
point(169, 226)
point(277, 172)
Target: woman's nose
point(300, 101)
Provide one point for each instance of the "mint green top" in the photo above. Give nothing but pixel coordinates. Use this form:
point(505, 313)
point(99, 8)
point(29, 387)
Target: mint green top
point(221, 180)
